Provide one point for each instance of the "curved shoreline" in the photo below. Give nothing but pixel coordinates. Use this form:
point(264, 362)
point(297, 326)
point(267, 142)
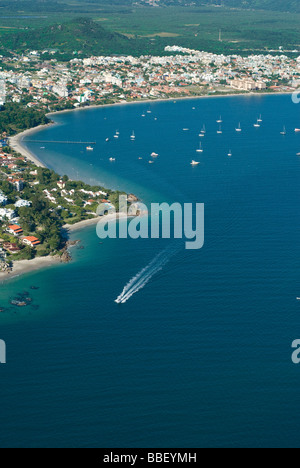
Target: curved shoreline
point(26, 266)
point(16, 141)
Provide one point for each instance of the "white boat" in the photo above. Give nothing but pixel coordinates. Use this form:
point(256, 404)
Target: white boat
point(200, 149)
point(185, 129)
point(220, 120)
point(283, 131)
point(89, 148)
point(112, 159)
point(257, 125)
point(154, 155)
point(149, 112)
point(220, 130)
point(298, 154)
point(194, 163)
point(132, 136)
point(151, 162)
point(143, 115)
point(259, 119)
point(297, 130)
point(107, 139)
point(239, 129)
point(116, 137)
point(230, 153)
point(203, 131)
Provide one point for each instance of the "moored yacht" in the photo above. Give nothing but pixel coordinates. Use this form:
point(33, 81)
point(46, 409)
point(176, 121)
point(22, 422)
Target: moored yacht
point(283, 131)
point(200, 149)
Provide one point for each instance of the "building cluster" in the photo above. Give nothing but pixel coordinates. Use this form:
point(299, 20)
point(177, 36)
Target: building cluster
point(180, 71)
point(20, 182)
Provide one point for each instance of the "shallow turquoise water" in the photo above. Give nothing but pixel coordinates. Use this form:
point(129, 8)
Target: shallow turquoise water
point(201, 355)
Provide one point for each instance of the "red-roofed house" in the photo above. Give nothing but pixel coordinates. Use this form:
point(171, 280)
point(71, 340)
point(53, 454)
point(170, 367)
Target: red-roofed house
point(15, 230)
point(30, 240)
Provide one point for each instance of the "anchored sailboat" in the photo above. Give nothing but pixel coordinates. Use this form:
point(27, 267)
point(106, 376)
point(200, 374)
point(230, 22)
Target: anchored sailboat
point(200, 149)
point(283, 131)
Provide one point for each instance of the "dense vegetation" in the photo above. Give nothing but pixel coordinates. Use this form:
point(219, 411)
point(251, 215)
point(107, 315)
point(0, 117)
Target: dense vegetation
point(44, 219)
point(88, 5)
point(123, 26)
point(15, 118)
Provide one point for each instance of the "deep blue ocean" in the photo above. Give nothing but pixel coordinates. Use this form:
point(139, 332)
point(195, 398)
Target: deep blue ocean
point(201, 356)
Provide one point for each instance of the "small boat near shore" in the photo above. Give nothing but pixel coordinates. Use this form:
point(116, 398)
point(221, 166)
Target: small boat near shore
point(154, 155)
point(195, 163)
point(89, 148)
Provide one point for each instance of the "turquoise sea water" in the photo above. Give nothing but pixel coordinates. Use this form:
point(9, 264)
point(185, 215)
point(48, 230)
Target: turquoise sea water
point(201, 356)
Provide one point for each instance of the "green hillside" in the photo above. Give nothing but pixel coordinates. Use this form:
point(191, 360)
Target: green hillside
point(80, 35)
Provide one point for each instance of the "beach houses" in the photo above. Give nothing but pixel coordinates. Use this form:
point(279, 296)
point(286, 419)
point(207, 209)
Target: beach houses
point(31, 241)
point(11, 247)
point(3, 199)
point(15, 230)
point(7, 214)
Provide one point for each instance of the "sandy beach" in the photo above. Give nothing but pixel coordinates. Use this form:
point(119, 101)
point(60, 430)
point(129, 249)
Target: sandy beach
point(21, 267)
point(15, 143)
point(25, 266)
point(91, 222)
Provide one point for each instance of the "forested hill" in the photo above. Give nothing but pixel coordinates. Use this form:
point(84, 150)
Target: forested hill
point(82, 35)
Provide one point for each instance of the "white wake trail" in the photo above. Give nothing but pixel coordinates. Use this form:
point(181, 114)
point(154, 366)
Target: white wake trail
point(144, 276)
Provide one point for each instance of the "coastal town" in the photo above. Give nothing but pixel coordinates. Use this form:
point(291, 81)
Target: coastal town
point(35, 203)
point(51, 84)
